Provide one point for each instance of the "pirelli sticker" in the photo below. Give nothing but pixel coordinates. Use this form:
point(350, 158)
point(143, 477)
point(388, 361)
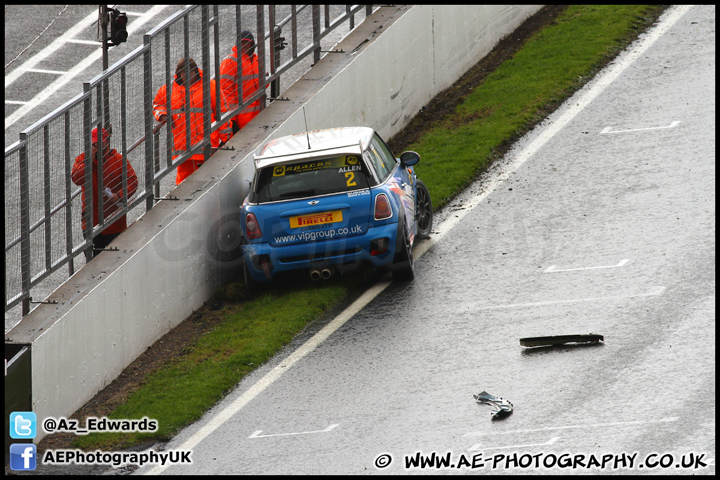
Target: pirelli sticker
point(316, 219)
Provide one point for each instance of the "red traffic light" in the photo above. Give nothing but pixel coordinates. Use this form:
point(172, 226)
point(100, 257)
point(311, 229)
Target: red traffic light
point(118, 25)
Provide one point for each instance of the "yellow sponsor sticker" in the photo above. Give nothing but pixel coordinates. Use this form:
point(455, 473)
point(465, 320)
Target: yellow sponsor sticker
point(316, 219)
point(279, 171)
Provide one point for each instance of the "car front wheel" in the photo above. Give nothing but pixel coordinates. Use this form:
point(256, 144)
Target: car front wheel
point(423, 211)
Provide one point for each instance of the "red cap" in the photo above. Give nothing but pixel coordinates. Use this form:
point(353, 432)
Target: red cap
point(94, 135)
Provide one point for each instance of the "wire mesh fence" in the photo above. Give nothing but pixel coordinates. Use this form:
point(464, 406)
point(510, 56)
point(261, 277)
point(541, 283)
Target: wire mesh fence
point(45, 241)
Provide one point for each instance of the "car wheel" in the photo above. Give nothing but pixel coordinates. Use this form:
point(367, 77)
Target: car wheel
point(423, 211)
point(404, 265)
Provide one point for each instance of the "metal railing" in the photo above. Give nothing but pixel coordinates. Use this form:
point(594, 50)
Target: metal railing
point(43, 207)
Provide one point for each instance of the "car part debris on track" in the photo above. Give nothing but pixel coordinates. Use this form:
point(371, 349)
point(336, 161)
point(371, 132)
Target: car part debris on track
point(560, 340)
point(502, 407)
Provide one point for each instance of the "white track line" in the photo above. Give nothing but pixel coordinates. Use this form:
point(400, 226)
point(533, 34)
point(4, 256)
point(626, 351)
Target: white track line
point(48, 91)
point(367, 297)
point(478, 446)
point(655, 291)
point(570, 427)
point(610, 130)
point(551, 269)
point(80, 41)
point(40, 70)
point(256, 434)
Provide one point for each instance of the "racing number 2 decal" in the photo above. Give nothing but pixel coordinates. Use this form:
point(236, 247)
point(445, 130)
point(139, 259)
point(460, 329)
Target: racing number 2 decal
point(352, 162)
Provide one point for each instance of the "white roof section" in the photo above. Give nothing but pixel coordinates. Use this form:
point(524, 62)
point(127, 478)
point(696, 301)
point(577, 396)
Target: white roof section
point(323, 143)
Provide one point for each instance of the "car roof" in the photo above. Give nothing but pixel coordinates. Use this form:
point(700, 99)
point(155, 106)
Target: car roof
point(322, 143)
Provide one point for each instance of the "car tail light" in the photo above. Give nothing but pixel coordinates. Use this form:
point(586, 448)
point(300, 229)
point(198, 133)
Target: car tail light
point(253, 228)
point(382, 207)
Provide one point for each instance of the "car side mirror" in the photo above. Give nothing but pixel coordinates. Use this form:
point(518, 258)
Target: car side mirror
point(409, 158)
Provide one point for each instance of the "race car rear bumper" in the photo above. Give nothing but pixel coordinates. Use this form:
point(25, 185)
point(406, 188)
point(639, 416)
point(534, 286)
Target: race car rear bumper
point(375, 247)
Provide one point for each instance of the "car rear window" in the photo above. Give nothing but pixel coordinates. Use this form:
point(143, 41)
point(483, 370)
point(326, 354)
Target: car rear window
point(307, 179)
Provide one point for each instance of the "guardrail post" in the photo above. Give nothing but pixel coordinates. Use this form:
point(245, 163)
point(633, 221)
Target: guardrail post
point(188, 77)
point(293, 27)
point(68, 198)
point(238, 59)
point(87, 145)
point(156, 160)
point(169, 141)
point(316, 32)
point(216, 42)
point(274, 54)
point(123, 136)
point(148, 109)
point(97, 124)
point(260, 42)
point(207, 110)
point(24, 225)
point(46, 196)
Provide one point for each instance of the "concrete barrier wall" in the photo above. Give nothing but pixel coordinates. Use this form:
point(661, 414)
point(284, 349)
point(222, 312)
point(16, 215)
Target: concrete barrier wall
point(175, 257)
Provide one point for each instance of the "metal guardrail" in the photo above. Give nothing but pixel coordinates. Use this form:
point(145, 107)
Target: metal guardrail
point(42, 206)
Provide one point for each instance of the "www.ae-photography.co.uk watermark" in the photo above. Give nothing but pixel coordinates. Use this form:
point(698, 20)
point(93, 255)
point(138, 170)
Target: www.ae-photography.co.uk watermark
point(610, 462)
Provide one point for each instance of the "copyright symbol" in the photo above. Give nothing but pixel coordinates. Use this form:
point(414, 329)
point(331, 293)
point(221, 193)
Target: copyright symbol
point(49, 425)
point(383, 461)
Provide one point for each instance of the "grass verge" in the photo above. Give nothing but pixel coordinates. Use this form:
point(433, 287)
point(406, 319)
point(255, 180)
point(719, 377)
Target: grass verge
point(552, 65)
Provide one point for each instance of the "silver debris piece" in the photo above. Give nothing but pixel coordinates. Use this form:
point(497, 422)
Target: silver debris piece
point(502, 407)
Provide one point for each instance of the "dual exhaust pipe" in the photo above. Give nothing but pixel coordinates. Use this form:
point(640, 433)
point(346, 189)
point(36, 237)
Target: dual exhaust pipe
point(317, 274)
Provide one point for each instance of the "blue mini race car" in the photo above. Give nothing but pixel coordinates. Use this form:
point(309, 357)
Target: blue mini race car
point(329, 200)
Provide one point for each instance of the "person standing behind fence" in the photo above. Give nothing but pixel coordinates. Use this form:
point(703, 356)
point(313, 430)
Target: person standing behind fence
point(250, 80)
point(112, 185)
point(180, 112)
